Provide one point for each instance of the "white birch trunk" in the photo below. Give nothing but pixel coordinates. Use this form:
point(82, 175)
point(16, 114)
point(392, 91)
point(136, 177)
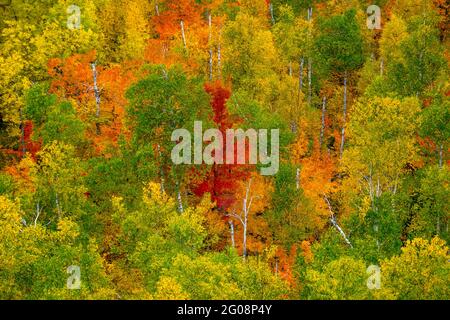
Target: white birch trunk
point(271, 13)
point(233, 243)
point(335, 224)
point(97, 97)
point(179, 200)
point(183, 35)
point(309, 80)
point(381, 66)
point(300, 80)
point(38, 213)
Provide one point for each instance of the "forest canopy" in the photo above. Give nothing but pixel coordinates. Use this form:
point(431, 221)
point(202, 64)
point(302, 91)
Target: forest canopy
point(93, 207)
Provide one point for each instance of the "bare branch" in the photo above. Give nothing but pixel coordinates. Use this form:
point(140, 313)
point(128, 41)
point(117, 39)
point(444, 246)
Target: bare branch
point(335, 224)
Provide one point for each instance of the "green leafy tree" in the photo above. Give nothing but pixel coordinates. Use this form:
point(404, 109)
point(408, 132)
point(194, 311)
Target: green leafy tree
point(420, 272)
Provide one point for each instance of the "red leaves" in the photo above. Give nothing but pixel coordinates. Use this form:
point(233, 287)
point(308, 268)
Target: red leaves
point(30, 146)
point(72, 78)
point(167, 24)
point(220, 95)
point(223, 180)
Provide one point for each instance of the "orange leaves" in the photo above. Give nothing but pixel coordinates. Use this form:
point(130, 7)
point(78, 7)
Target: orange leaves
point(168, 22)
point(284, 263)
point(22, 174)
point(157, 52)
point(316, 180)
point(113, 83)
point(307, 253)
point(317, 169)
point(29, 145)
point(258, 201)
point(184, 34)
point(72, 79)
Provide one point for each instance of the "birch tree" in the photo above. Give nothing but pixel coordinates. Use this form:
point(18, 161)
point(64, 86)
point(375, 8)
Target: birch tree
point(339, 47)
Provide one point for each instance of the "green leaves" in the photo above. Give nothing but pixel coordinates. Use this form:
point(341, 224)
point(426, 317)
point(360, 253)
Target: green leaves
point(381, 139)
point(38, 103)
point(422, 271)
point(34, 260)
point(339, 45)
point(342, 279)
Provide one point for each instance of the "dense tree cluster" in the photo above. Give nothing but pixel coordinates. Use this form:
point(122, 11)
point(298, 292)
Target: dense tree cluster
point(91, 91)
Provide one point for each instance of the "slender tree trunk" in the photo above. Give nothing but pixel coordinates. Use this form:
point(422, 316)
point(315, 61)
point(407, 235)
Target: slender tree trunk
point(322, 129)
point(243, 218)
point(310, 10)
point(300, 87)
point(271, 13)
point(179, 200)
point(381, 66)
point(309, 80)
point(244, 244)
point(233, 243)
point(246, 208)
point(335, 224)
point(210, 48)
point(183, 35)
point(441, 155)
point(38, 213)
point(297, 179)
point(300, 76)
point(157, 9)
point(345, 117)
point(290, 69)
point(97, 98)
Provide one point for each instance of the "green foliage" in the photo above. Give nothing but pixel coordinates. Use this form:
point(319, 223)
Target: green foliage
point(339, 45)
point(112, 202)
point(420, 272)
point(34, 260)
point(341, 279)
point(421, 60)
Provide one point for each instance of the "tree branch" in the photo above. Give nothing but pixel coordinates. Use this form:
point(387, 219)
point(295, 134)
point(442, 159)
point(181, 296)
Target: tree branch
point(335, 224)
